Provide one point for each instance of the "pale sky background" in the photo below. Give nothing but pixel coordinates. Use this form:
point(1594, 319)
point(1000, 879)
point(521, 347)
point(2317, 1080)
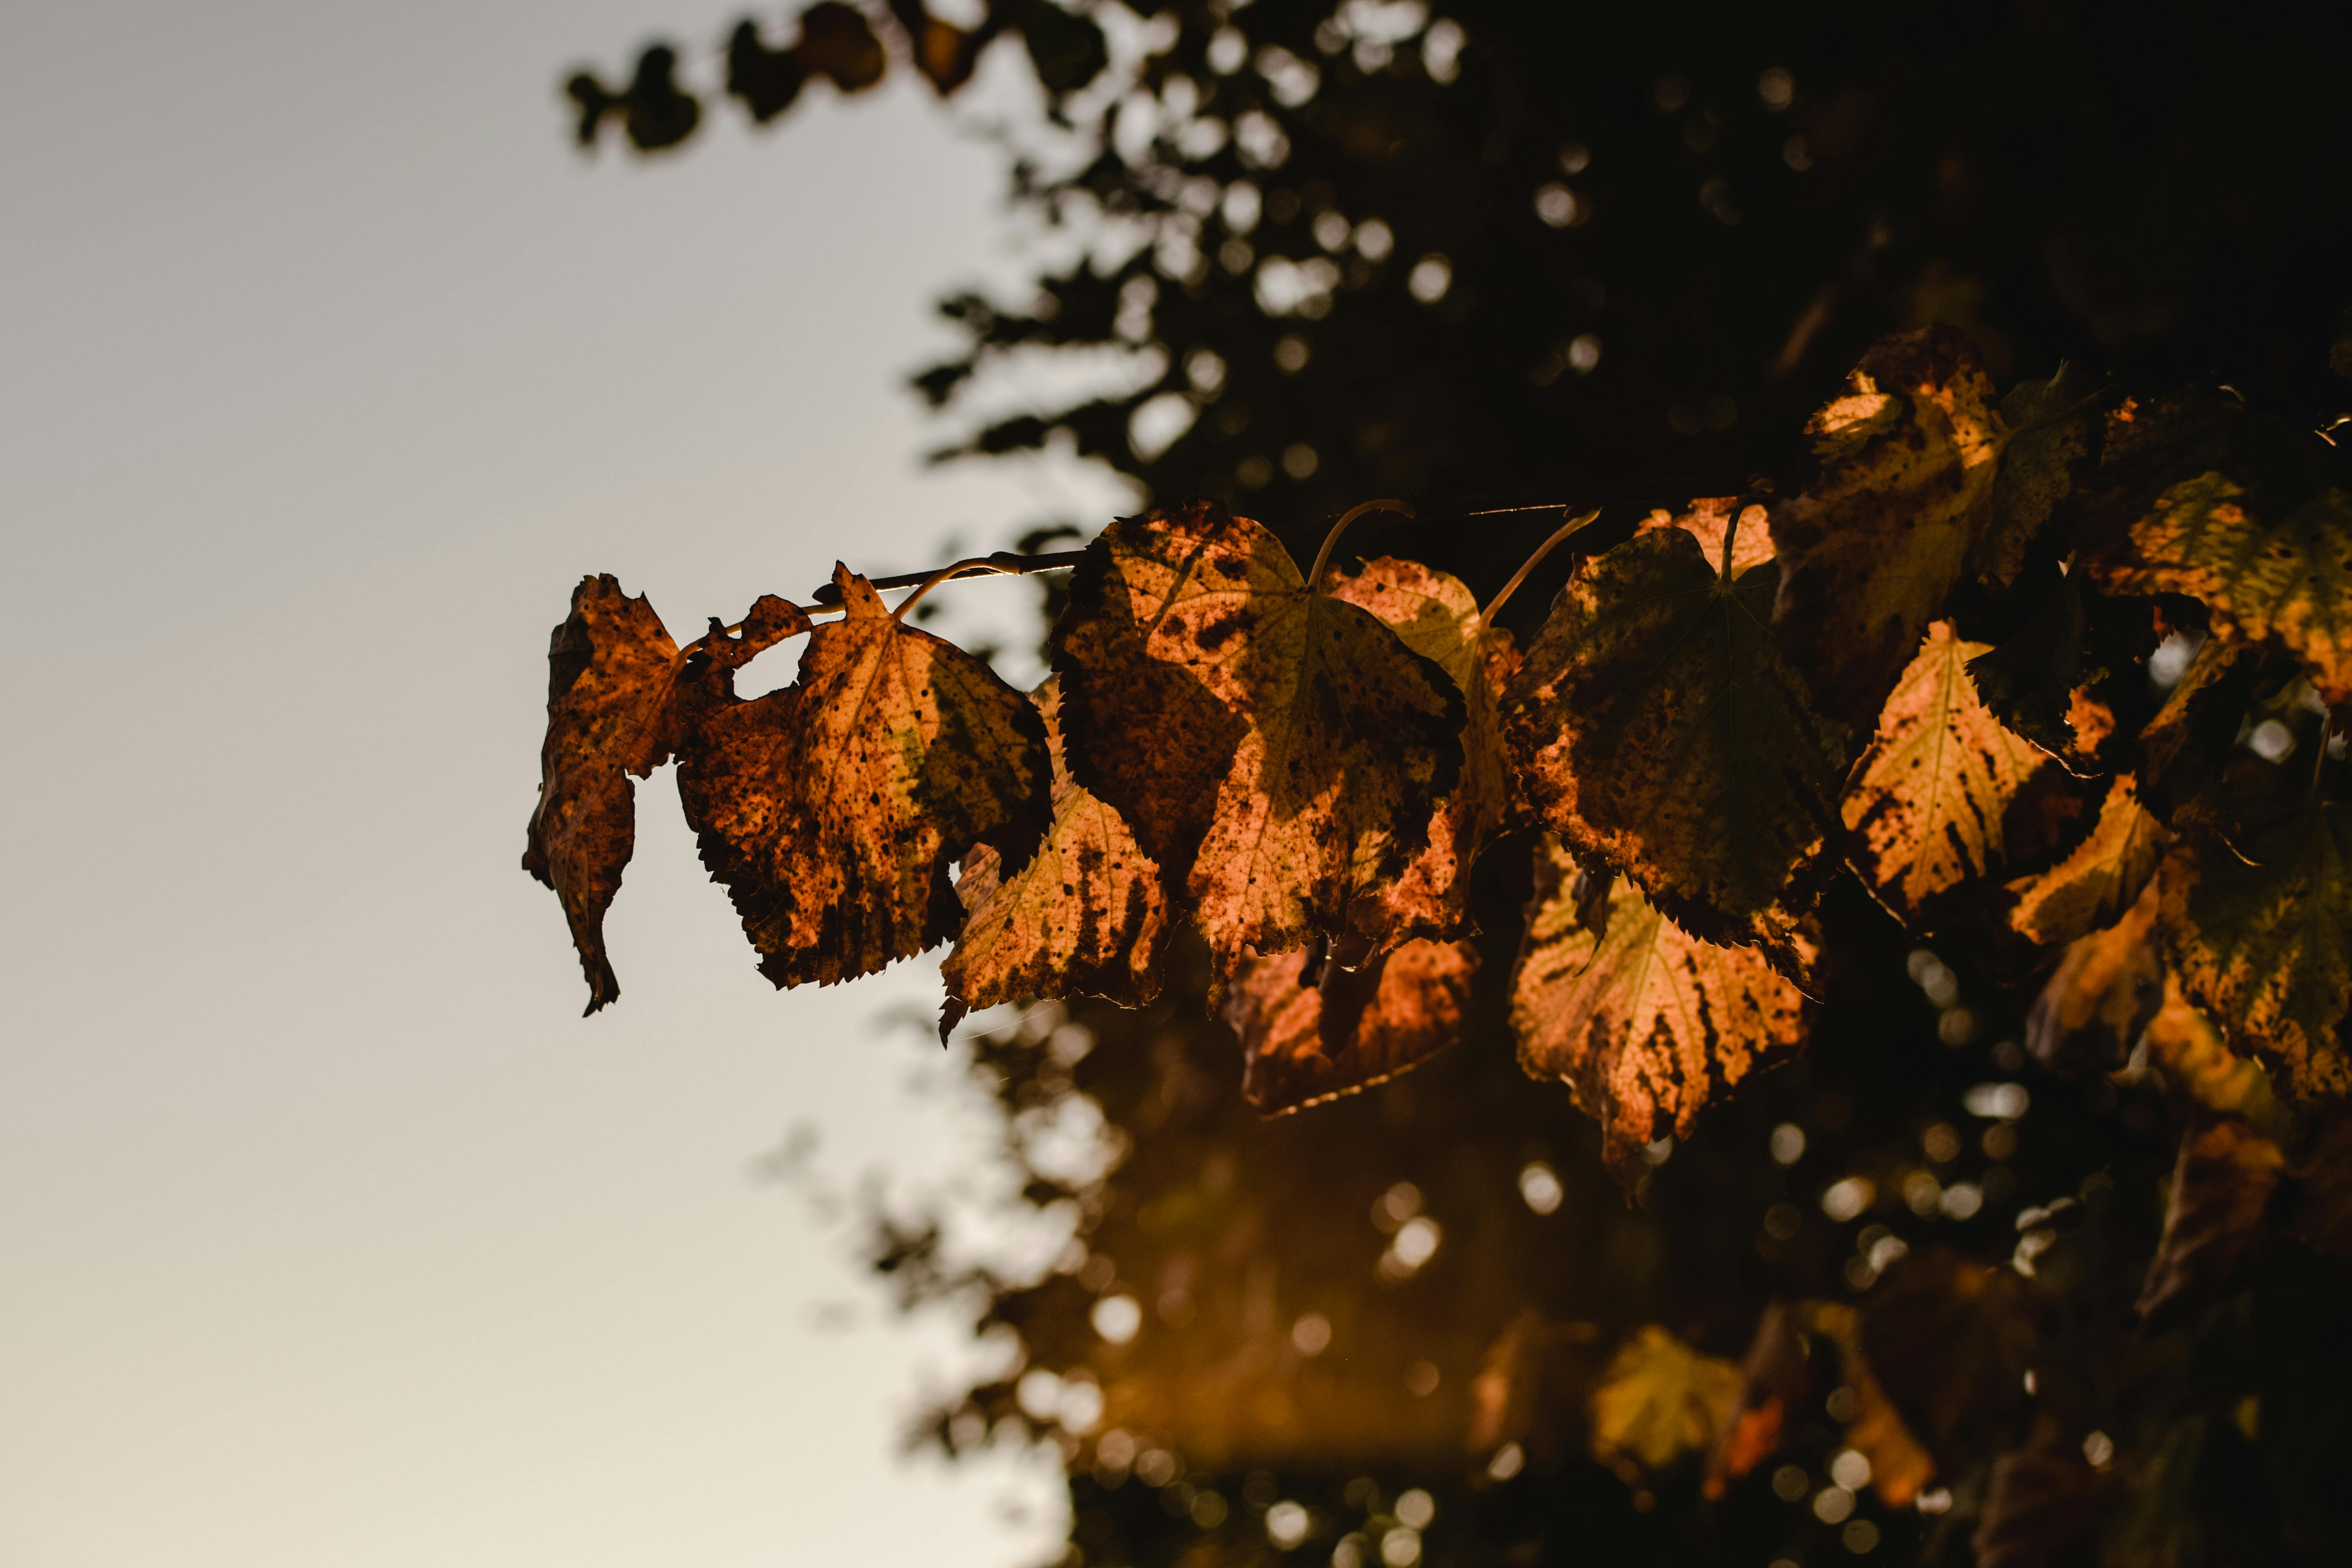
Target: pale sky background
point(330, 1233)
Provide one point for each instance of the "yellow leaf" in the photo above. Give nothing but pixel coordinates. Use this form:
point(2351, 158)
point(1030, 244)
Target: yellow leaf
point(1641, 1020)
point(1927, 804)
point(1660, 1400)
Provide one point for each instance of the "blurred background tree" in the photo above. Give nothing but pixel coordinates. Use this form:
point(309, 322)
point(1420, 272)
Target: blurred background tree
point(1564, 255)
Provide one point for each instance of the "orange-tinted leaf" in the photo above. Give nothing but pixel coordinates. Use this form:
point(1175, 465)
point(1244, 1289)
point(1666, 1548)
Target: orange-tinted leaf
point(1899, 1467)
point(1903, 467)
point(1437, 618)
point(2104, 876)
point(833, 808)
point(1926, 805)
point(2106, 988)
point(1658, 729)
point(1772, 1384)
point(2198, 1063)
point(1951, 1342)
point(1302, 1046)
point(1643, 1021)
point(2213, 1223)
point(1278, 751)
point(1086, 914)
point(2282, 576)
point(2260, 933)
point(1708, 520)
point(1660, 1400)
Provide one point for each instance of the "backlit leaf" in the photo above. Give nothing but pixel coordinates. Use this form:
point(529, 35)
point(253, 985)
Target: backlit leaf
point(611, 669)
point(2260, 931)
point(832, 809)
point(1660, 1400)
point(1302, 1046)
point(1926, 806)
point(1658, 728)
point(2198, 1065)
point(1708, 520)
point(1437, 618)
point(1899, 493)
point(1643, 1022)
point(1086, 914)
point(2092, 887)
point(2264, 576)
point(2106, 988)
point(1278, 751)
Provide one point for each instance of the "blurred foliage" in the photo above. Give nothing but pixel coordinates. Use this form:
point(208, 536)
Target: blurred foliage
point(1586, 254)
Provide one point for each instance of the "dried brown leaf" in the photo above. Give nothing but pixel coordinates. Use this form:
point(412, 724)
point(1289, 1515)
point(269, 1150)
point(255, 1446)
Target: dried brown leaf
point(1708, 520)
point(1304, 1044)
point(1899, 493)
point(2104, 877)
point(2213, 1223)
point(1085, 915)
point(1926, 805)
point(832, 809)
point(1644, 1022)
point(1951, 1342)
point(1658, 728)
point(1278, 751)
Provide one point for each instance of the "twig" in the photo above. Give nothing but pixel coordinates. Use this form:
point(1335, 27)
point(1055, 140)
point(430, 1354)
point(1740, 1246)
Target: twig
point(1001, 563)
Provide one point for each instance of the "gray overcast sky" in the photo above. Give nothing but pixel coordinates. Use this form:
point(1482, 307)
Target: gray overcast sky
point(331, 1234)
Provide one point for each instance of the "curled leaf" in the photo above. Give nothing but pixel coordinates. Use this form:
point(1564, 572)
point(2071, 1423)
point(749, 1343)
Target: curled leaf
point(1658, 728)
point(2106, 988)
point(1084, 915)
point(1304, 1044)
point(1926, 807)
point(1437, 617)
point(2213, 1222)
point(1660, 1400)
point(1903, 467)
point(832, 809)
point(1278, 751)
point(2101, 878)
point(611, 669)
point(1643, 1021)
point(2260, 933)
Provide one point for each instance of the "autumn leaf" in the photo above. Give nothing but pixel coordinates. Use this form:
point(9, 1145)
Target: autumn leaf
point(1773, 1383)
point(1660, 1399)
point(1278, 751)
point(2057, 676)
point(2188, 744)
point(2106, 988)
point(2259, 932)
point(1533, 1386)
point(2038, 467)
point(832, 809)
point(1899, 1467)
point(1304, 1044)
point(1898, 494)
point(1926, 807)
point(2039, 1503)
point(1085, 915)
point(2213, 1222)
point(1658, 729)
point(1950, 1341)
point(1437, 617)
point(1643, 1021)
point(2281, 576)
point(2198, 1063)
point(2101, 878)
point(1708, 520)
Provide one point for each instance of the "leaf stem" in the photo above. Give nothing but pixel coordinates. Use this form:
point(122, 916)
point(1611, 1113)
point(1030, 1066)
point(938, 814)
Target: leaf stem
point(1486, 617)
point(1323, 556)
point(1001, 563)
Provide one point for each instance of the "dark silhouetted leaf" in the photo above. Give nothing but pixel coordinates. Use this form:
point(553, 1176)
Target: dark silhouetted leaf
point(2039, 1506)
point(2038, 467)
point(833, 808)
point(1951, 1342)
point(1085, 915)
point(1899, 1467)
point(1278, 751)
point(1658, 729)
point(2213, 1223)
point(838, 43)
point(767, 82)
point(1643, 1023)
point(1302, 1046)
